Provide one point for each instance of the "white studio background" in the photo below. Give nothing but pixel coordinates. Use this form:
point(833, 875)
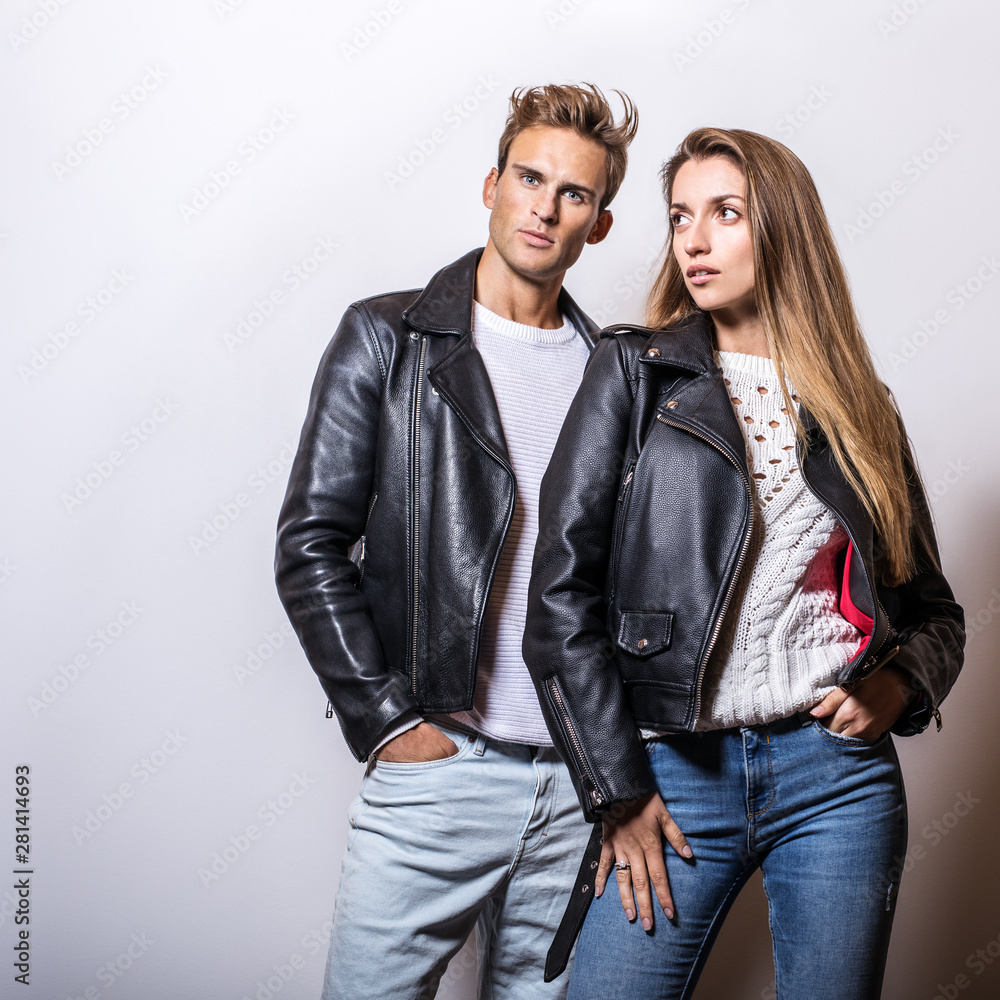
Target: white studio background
point(192, 193)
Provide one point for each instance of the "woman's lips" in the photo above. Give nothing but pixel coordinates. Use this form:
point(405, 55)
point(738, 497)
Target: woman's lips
point(698, 274)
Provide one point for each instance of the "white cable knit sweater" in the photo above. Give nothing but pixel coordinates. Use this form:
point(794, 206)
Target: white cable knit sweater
point(784, 640)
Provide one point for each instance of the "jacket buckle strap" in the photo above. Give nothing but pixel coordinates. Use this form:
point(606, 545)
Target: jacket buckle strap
point(576, 908)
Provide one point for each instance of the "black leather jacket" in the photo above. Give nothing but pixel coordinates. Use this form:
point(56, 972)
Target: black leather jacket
point(403, 465)
point(644, 524)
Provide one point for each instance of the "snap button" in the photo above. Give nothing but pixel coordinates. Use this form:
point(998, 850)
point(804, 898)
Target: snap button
point(414, 335)
point(642, 643)
point(653, 352)
point(672, 405)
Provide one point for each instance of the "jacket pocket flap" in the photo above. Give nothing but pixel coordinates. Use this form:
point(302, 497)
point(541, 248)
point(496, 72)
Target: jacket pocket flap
point(643, 633)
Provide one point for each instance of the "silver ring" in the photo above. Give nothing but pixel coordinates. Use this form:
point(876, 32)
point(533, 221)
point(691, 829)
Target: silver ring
point(623, 866)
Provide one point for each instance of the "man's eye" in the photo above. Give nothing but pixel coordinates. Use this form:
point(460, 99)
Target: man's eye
point(574, 195)
point(530, 179)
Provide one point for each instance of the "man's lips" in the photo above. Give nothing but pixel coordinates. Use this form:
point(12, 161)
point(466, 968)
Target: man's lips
point(537, 238)
point(698, 274)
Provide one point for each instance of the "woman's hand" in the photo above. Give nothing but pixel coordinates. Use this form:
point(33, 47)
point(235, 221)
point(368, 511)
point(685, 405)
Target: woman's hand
point(635, 837)
point(872, 707)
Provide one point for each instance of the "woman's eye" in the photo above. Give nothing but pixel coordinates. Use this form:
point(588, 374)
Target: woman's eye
point(678, 219)
point(729, 213)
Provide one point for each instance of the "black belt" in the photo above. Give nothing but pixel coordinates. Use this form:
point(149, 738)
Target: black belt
point(576, 908)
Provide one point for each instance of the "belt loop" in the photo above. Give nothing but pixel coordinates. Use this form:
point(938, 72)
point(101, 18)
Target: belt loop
point(480, 745)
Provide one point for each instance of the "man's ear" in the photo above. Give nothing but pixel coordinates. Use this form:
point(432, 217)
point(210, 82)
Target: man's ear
point(601, 227)
point(490, 188)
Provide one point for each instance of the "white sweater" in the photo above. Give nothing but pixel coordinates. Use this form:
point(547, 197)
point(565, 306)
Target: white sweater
point(784, 640)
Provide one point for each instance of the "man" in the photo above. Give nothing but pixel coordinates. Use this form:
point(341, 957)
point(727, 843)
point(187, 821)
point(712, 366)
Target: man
point(431, 421)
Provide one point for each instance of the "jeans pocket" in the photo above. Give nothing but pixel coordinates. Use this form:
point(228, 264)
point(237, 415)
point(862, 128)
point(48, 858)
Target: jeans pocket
point(855, 742)
point(463, 743)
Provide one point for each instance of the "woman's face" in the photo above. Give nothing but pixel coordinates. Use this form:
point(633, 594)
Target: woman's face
point(711, 238)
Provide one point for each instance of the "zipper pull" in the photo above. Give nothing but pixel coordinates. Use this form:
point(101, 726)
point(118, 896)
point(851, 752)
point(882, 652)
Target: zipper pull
point(937, 718)
point(627, 480)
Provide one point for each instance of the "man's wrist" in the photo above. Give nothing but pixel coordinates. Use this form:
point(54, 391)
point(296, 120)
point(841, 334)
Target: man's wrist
point(406, 722)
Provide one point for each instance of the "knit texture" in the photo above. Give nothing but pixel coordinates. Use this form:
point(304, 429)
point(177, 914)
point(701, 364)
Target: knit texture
point(535, 375)
point(783, 641)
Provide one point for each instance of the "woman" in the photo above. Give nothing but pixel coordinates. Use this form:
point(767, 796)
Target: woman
point(736, 594)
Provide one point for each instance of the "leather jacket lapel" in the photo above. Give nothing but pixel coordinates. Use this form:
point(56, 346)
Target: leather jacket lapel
point(464, 384)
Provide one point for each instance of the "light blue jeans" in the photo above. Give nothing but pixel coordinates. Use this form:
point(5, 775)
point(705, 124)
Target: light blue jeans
point(822, 815)
point(489, 838)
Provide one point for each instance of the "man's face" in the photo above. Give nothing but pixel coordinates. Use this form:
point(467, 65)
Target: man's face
point(545, 205)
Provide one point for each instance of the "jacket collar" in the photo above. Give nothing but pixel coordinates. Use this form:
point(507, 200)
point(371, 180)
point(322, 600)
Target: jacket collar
point(445, 305)
point(687, 345)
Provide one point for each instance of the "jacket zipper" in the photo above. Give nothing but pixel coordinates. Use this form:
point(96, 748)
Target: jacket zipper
point(739, 564)
point(623, 494)
point(415, 533)
point(364, 539)
point(595, 796)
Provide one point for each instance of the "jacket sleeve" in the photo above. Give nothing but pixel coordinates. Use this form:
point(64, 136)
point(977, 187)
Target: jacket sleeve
point(566, 645)
point(322, 517)
point(930, 623)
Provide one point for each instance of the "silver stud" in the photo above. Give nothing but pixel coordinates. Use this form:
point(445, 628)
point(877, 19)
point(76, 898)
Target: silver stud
point(642, 643)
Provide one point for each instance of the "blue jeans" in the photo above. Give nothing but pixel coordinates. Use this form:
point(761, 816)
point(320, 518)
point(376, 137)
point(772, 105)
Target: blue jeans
point(823, 816)
point(489, 838)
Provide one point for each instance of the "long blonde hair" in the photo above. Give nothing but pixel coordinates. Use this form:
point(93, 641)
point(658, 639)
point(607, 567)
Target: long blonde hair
point(813, 334)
